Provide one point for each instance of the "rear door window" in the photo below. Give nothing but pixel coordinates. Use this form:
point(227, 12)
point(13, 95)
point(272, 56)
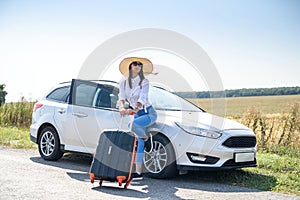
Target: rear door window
point(60, 94)
point(83, 92)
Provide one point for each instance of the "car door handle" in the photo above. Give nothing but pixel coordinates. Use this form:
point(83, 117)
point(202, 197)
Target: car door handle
point(61, 111)
point(80, 115)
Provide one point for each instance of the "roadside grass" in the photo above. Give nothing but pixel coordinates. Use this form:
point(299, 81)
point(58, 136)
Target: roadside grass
point(284, 168)
point(15, 137)
point(274, 173)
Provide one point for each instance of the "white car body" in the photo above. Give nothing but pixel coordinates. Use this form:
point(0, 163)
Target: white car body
point(222, 143)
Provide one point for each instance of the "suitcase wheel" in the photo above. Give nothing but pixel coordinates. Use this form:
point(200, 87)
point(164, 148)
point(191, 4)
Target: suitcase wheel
point(92, 177)
point(127, 184)
point(121, 179)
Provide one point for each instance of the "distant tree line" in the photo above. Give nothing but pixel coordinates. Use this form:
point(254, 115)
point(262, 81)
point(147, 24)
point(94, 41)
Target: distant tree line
point(242, 92)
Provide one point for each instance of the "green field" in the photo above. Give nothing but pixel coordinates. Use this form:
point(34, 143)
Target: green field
point(238, 106)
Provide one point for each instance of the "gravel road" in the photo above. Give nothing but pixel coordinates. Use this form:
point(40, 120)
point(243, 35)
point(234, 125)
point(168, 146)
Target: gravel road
point(24, 175)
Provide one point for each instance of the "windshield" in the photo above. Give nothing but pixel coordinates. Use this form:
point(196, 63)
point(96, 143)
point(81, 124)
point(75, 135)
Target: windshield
point(164, 100)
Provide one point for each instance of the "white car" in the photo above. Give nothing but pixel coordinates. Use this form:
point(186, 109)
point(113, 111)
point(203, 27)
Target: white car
point(71, 117)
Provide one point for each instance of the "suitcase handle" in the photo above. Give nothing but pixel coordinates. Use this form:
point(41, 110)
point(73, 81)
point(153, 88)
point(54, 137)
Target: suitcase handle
point(121, 120)
point(120, 123)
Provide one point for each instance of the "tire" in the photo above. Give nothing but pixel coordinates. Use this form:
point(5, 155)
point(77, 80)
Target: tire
point(49, 144)
point(160, 163)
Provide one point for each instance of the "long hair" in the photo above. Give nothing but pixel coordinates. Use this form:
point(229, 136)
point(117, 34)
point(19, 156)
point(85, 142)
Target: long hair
point(141, 74)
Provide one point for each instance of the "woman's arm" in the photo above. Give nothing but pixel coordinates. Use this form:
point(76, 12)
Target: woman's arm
point(143, 98)
point(122, 109)
point(122, 97)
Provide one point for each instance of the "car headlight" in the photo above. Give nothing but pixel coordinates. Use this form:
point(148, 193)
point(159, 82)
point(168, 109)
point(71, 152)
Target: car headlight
point(199, 131)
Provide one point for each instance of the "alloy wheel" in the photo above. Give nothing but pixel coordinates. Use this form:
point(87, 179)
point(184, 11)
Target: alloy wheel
point(156, 160)
point(47, 143)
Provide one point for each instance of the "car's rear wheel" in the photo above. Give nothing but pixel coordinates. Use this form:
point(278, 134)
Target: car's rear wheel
point(49, 144)
point(161, 161)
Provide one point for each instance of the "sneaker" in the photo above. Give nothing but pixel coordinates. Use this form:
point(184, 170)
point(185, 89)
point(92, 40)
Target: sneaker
point(137, 177)
point(147, 146)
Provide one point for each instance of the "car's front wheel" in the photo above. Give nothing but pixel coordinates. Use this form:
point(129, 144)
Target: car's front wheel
point(49, 145)
point(161, 161)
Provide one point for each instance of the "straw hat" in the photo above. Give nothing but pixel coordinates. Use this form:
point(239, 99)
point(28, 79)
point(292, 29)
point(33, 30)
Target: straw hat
point(124, 65)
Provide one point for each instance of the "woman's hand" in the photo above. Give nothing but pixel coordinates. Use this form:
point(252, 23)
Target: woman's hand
point(139, 106)
point(122, 109)
point(123, 112)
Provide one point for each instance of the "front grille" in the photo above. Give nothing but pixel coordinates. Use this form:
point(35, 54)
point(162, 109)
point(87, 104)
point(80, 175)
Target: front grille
point(232, 164)
point(240, 142)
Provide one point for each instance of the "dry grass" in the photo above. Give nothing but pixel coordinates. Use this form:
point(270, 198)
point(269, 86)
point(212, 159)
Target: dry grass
point(16, 114)
point(276, 133)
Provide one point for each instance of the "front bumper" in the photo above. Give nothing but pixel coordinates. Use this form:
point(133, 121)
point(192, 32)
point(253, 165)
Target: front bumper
point(230, 164)
point(199, 153)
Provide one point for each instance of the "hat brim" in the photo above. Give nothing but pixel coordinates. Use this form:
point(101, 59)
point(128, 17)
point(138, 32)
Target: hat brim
point(124, 65)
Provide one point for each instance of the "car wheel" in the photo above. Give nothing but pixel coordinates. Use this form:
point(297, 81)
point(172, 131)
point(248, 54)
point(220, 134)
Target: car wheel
point(160, 162)
point(49, 145)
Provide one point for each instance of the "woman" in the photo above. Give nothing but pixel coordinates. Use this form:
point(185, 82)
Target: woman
point(134, 88)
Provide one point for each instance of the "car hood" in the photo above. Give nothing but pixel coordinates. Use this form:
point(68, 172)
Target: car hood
point(200, 119)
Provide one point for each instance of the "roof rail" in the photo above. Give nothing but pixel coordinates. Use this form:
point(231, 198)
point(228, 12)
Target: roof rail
point(65, 82)
point(109, 81)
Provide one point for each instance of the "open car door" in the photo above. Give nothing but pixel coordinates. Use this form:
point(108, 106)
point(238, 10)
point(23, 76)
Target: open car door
point(92, 109)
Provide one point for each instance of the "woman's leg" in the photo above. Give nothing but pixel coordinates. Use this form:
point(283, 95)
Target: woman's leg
point(139, 128)
point(139, 155)
point(139, 125)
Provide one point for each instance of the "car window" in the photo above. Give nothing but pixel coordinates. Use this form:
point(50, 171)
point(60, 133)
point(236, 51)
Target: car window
point(85, 94)
point(59, 94)
point(106, 97)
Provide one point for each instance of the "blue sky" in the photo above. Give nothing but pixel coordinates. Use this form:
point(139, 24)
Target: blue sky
point(252, 43)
